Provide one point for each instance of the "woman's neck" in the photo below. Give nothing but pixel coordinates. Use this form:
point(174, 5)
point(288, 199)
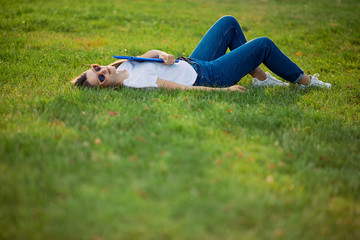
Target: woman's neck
point(121, 76)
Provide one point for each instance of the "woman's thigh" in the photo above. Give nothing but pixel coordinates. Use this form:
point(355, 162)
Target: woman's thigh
point(225, 33)
point(230, 68)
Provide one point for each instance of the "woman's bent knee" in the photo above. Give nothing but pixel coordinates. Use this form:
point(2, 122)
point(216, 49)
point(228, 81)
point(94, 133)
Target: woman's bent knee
point(229, 20)
point(265, 41)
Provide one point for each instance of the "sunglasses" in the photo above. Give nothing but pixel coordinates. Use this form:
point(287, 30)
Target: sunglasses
point(96, 68)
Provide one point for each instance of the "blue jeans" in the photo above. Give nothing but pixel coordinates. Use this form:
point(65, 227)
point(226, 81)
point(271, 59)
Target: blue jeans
point(215, 68)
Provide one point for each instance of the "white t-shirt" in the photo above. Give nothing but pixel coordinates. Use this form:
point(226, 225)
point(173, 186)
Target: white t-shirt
point(145, 74)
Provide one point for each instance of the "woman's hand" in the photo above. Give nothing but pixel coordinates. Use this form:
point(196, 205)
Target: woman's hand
point(236, 88)
point(167, 58)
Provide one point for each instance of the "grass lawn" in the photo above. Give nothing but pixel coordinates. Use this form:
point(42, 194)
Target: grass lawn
point(104, 164)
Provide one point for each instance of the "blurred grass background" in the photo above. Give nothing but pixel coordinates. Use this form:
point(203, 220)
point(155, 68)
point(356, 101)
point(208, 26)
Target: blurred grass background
point(134, 164)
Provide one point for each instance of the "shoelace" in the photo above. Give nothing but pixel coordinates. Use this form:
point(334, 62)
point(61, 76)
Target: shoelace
point(316, 77)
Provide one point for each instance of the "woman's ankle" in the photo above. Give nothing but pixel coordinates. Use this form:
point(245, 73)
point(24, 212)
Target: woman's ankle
point(305, 80)
point(259, 74)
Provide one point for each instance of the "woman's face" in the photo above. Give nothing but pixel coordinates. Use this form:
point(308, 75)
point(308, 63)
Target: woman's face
point(104, 76)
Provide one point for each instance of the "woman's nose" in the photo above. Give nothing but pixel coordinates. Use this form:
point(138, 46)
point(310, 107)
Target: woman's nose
point(102, 70)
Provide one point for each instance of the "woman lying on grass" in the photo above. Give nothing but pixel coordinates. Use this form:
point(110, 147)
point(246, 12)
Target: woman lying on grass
point(208, 67)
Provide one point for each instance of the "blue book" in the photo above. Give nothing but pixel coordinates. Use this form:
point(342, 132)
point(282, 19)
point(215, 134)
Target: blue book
point(140, 59)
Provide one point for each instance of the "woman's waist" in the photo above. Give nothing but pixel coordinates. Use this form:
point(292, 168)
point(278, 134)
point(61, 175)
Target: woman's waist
point(202, 68)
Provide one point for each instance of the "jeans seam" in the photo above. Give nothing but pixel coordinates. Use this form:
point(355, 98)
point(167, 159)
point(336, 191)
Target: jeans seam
point(222, 38)
point(237, 36)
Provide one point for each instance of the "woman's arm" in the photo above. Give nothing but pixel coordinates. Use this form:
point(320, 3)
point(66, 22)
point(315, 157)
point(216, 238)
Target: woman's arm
point(168, 58)
point(152, 54)
point(172, 85)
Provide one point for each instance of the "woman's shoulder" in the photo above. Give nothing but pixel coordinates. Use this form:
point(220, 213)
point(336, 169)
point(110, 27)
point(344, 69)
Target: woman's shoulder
point(125, 65)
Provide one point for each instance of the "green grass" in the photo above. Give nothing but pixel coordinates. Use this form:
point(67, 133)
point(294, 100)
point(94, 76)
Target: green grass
point(134, 164)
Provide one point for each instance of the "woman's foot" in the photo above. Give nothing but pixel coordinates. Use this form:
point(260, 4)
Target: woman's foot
point(270, 81)
point(315, 82)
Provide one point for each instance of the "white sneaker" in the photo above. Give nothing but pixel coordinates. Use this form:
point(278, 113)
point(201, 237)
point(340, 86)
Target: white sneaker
point(270, 81)
point(315, 82)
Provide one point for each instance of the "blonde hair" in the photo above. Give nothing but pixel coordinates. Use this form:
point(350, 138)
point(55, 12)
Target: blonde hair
point(81, 80)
